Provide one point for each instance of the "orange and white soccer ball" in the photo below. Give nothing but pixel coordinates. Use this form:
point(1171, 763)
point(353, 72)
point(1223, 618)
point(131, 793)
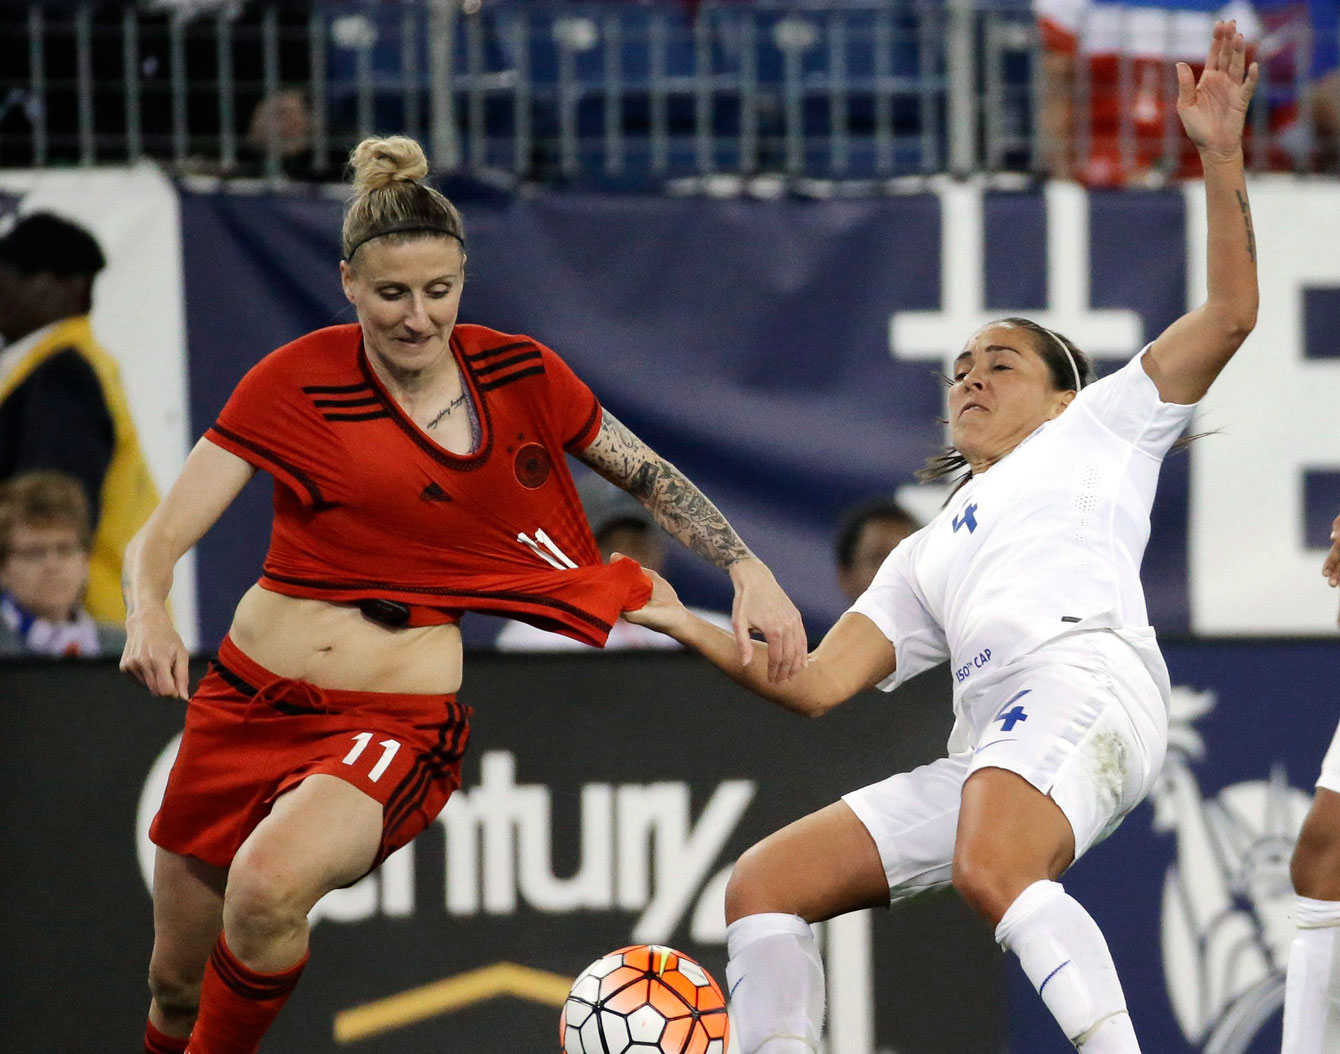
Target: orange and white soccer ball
point(644, 1000)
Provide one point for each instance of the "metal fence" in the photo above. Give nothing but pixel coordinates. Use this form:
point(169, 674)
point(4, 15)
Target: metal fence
point(624, 92)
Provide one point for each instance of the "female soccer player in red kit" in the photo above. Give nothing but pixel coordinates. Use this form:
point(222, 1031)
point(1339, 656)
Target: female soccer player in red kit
point(419, 472)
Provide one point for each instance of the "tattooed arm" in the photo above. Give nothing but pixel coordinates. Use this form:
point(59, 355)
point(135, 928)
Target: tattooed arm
point(680, 507)
point(1187, 357)
point(687, 515)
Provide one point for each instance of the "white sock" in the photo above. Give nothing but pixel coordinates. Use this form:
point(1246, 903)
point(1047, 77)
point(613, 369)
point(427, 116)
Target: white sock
point(1312, 992)
point(1063, 952)
point(776, 980)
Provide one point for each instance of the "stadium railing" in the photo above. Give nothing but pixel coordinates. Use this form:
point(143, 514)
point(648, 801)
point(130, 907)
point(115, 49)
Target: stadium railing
point(617, 92)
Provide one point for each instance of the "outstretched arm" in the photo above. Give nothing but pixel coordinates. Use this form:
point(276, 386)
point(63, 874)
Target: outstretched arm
point(154, 653)
point(1186, 358)
point(853, 655)
point(1331, 567)
point(687, 515)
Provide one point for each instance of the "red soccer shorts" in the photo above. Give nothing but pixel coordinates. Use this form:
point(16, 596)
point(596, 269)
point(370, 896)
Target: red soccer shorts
point(250, 736)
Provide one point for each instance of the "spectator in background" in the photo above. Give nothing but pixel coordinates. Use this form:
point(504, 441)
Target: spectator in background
point(620, 524)
point(867, 534)
point(1300, 52)
point(45, 532)
point(283, 122)
point(1120, 54)
point(61, 402)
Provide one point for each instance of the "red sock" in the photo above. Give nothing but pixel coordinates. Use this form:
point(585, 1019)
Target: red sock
point(237, 1004)
point(156, 1042)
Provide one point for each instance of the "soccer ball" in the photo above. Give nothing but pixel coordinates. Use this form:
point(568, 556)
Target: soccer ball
point(644, 1000)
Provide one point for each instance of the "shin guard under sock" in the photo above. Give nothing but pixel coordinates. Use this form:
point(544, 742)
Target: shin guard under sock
point(156, 1042)
point(237, 1004)
point(776, 980)
point(1065, 955)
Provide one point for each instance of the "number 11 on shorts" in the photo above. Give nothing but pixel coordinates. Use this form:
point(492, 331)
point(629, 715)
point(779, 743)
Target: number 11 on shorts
point(389, 748)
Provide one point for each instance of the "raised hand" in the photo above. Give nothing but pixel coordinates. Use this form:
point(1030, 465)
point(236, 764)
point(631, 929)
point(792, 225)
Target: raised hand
point(1214, 108)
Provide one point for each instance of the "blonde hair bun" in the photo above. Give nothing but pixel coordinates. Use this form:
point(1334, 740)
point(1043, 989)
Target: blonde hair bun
point(378, 163)
point(391, 195)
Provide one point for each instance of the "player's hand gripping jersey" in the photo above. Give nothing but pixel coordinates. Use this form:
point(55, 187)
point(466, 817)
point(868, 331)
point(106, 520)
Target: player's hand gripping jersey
point(1047, 542)
point(368, 506)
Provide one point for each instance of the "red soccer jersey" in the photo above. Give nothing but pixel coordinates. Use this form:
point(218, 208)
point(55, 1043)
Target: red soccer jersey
point(368, 506)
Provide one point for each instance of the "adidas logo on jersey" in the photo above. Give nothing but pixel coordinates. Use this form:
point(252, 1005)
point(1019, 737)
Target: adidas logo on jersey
point(433, 492)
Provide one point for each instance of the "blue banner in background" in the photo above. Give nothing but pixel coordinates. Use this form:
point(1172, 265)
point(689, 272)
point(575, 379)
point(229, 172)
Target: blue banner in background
point(1193, 891)
point(749, 342)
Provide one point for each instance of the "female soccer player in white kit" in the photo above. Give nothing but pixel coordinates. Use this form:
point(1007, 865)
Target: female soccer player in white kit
point(1028, 581)
point(1312, 993)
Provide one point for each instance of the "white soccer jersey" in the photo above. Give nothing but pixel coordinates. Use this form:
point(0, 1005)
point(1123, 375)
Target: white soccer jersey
point(1048, 541)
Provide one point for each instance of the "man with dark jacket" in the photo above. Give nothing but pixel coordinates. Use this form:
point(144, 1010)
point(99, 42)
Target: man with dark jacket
point(61, 402)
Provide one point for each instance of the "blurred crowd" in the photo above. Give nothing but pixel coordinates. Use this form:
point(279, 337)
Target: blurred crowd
point(1100, 102)
point(1108, 88)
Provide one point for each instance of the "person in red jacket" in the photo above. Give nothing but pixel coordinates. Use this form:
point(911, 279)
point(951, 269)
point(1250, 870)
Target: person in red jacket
point(419, 470)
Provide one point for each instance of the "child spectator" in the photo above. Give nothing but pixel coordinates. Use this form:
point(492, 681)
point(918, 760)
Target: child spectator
point(45, 538)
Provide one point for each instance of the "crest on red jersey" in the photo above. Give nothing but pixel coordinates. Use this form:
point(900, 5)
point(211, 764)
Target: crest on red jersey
point(532, 465)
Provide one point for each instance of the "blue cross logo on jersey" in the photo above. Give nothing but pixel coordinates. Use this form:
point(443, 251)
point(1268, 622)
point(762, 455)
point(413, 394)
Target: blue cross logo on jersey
point(966, 519)
point(1009, 718)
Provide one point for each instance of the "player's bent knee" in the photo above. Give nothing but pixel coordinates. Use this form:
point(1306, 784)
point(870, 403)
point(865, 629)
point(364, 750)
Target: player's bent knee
point(982, 884)
point(177, 997)
point(264, 898)
point(752, 888)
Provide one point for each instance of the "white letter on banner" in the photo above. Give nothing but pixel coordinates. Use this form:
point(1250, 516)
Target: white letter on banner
point(651, 818)
point(1250, 571)
point(591, 886)
point(485, 813)
point(937, 336)
point(681, 868)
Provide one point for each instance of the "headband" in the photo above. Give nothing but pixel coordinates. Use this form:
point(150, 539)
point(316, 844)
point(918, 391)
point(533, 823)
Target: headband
point(1074, 367)
point(408, 228)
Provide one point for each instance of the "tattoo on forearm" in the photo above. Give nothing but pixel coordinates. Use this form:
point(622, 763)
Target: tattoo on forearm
point(1247, 219)
point(450, 406)
point(125, 590)
point(680, 507)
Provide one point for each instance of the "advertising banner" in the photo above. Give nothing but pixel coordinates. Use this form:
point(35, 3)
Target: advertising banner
point(604, 801)
point(787, 355)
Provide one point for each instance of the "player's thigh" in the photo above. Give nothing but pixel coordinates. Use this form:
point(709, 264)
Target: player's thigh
point(822, 865)
point(319, 836)
point(188, 915)
point(1010, 835)
point(1316, 858)
point(912, 819)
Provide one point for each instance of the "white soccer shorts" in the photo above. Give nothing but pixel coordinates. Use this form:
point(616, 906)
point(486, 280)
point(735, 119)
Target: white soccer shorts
point(1330, 766)
point(1080, 719)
